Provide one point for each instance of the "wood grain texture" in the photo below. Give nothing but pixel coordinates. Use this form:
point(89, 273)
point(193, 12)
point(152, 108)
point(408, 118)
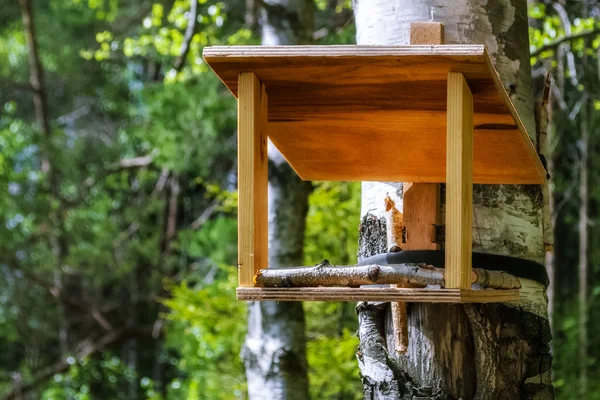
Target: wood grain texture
point(459, 183)
point(261, 191)
point(421, 213)
point(252, 179)
point(413, 295)
point(426, 33)
point(335, 109)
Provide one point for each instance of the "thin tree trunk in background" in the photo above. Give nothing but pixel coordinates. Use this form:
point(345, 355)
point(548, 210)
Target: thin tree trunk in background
point(36, 78)
point(550, 268)
point(478, 351)
point(559, 84)
point(583, 231)
point(56, 241)
point(131, 347)
point(583, 250)
point(275, 349)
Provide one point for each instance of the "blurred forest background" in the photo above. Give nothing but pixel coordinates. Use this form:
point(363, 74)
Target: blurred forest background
point(118, 201)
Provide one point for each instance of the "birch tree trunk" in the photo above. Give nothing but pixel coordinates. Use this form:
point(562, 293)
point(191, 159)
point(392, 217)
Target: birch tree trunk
point(478, 351)
point(275, 349)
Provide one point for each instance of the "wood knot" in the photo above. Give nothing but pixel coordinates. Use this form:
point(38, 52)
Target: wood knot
point(286, 282)
point(373, 273)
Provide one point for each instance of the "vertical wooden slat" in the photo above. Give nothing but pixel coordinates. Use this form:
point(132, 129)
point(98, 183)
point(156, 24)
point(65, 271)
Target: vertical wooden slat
point(459, 183)
point(252, 178)
point(261, 166)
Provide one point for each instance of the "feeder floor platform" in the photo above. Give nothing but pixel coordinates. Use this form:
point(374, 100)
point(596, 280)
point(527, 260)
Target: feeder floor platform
point(409, 295)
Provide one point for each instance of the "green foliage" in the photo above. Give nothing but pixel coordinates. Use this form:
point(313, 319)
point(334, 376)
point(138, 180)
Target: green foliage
point(98, 243)
point(575, 78)
point(332, 223)
point(332, 233)
point(108, 371)
point(186, 125)
point(217, 239)
point(335, 376)
point(207, 328)
point(551, 30)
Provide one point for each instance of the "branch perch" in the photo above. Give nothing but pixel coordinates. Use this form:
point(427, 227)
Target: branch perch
point(324, 274)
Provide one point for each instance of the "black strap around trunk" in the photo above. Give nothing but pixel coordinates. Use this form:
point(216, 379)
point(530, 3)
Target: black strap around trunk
point(516, 266)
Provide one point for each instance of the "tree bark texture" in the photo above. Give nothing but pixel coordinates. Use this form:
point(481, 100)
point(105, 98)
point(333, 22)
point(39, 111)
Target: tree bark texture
point(492, 351)
point(275, 349)
point(423, 275)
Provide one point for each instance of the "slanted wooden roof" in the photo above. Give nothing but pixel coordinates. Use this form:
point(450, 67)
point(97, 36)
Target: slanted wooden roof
point(378, 113)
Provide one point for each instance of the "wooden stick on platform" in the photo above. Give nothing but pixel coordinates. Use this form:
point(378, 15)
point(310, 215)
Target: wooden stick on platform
point(327, 275)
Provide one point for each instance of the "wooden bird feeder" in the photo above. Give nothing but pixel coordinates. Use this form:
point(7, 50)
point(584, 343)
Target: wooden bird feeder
point(417, 113)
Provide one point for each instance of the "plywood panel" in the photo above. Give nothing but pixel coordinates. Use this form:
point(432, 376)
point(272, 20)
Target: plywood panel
point(378, 141)
point(332, 101)
point(412, 295)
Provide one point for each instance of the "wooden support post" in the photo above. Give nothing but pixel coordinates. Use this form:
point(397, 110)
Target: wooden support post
point(421, 200)
point(421, 215)
point(426, 33)
point(459, 183)
point(252, 178)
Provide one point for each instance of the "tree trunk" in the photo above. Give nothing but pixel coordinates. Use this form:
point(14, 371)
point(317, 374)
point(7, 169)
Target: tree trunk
point(583, 249)
point(551, 290)
point(477, 351)
point(275, 350)
point(583, 229)
point(58, 241)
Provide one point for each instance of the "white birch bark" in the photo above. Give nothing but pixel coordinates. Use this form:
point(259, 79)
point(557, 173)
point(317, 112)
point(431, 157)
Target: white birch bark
point(274, 353)
point(471, 351)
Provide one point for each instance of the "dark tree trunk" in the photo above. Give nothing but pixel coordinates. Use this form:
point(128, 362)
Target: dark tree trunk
point(493, 351)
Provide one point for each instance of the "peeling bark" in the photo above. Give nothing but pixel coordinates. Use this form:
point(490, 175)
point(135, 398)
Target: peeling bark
point(493, 351)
